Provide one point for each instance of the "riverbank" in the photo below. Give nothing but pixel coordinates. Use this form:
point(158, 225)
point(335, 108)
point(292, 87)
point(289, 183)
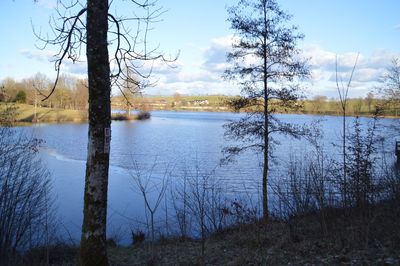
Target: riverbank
point(27, 114)
point(24, 113)
point(348, 238)
point(318, 105)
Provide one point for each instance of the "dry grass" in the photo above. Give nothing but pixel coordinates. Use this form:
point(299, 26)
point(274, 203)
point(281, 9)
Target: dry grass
point(26, 113)
point(350, 239)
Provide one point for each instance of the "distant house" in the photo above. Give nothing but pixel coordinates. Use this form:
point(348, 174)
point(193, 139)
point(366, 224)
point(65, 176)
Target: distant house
point(198, 102)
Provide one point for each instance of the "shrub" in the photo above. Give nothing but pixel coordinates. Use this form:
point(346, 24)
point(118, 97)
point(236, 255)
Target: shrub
point(25, 205)
point(20, 97)
point(138, 237)
point(143, 115)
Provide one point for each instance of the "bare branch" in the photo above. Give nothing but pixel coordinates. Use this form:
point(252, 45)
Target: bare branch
point(66, 37)
point(130, 53)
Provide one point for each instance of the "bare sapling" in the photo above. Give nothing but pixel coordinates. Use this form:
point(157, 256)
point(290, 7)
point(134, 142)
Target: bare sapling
point(153, 190)
point(343, 91)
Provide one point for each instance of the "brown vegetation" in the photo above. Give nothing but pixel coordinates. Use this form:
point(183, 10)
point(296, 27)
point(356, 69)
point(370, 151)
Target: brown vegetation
point(299, 241)
point(71, 93)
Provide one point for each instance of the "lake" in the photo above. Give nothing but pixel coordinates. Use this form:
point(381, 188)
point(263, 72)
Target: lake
point(169, 144)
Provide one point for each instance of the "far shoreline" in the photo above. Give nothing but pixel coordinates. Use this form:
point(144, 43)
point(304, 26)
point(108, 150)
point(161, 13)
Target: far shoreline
point(26, 114)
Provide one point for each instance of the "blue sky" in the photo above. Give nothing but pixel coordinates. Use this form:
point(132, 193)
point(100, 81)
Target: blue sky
point(200, 32)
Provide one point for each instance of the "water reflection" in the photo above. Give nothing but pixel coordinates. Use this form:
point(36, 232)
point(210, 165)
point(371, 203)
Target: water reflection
point(177, 140)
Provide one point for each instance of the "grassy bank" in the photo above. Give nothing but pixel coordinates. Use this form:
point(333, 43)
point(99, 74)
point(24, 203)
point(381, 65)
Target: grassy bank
point(24, 113)
point(28, 113)
point(219, 103)
point(349, 237)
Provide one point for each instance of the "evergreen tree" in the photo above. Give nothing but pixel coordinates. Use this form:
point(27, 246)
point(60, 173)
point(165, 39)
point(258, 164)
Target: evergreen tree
point(267, 65)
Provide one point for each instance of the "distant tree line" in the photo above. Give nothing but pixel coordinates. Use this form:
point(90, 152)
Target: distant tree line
point(71, 92)
point(361, 106)
point(320, 104)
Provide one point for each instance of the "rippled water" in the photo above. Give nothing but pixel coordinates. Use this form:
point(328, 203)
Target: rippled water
point(173, 141)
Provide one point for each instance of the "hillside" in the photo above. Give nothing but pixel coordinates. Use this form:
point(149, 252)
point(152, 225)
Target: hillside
point(219, 103)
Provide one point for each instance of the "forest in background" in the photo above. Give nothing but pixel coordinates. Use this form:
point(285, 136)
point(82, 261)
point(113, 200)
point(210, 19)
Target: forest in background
point(72, 94)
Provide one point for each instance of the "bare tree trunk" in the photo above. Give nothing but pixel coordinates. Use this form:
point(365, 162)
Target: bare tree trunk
point(343, 96)
point(344, 159)
point(265, 174)
point(266, 124)
point(93, 242)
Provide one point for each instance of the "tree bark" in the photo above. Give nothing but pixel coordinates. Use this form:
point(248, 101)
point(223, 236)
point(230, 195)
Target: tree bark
point(266, 125)
point(93, 241)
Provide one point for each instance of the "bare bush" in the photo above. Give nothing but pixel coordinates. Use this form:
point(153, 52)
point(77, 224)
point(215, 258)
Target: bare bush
point(241, 213)
point(179, 199)
point(361, 151)
point(389, 171)
point(25, 201)
point(152, 189)
point(309, 183)
point(200, 204)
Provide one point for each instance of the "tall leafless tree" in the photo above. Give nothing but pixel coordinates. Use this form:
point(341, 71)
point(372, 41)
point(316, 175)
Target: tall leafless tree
point(266, 64)
point(343, 91)
point(108, 41)
point(391, 85)
point(130, 89)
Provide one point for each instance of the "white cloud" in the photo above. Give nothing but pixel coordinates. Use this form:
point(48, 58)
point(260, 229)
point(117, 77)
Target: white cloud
point(326, 60)
point(194, 88)
point(40, 55)
point(200, 77)
point(215, 55)
point(381, 58)
point(204, 75)
point(319, 58)
point(368, 75)
point(368, 72)
point(77, 67)
point(317, 75)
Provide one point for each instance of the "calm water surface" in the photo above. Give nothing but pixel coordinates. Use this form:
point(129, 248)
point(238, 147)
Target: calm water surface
point(173, 141)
